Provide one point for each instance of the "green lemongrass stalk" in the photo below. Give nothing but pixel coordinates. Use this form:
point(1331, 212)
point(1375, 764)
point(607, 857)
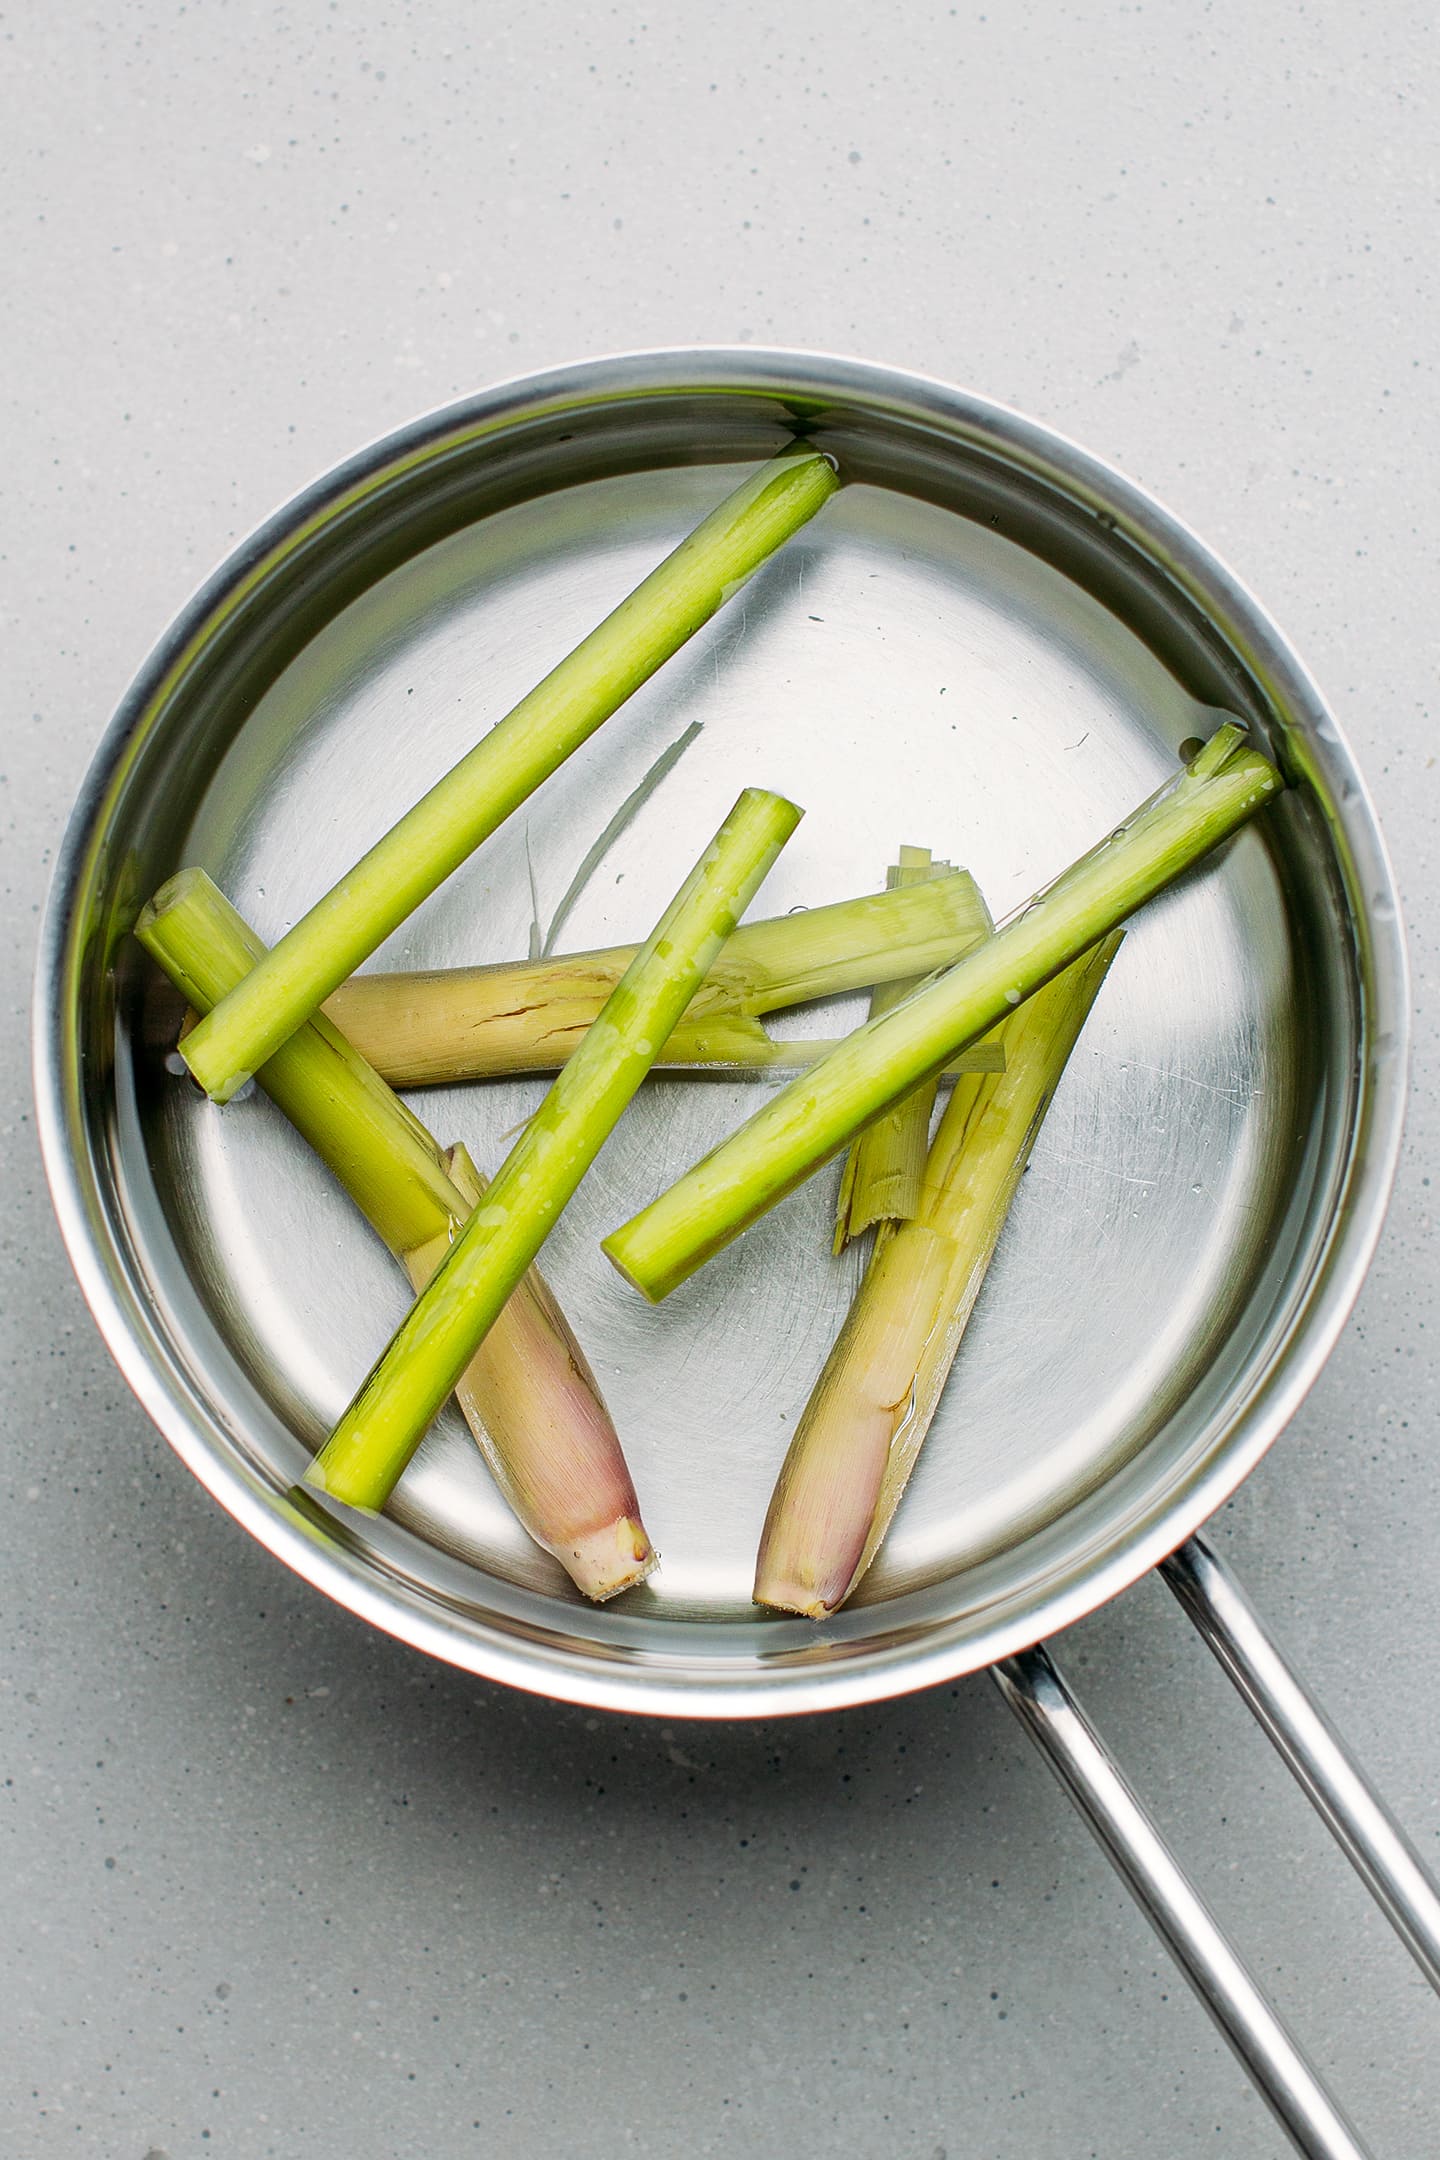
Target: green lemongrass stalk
point(528, 1015)
point(506, 766)
point(805, 1123)
point(360, 1129)
point(384, 1424)
point(861, 1431)
point(531, 1401)
point(886, 1162)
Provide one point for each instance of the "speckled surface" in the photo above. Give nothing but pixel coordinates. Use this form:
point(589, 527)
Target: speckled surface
point(276, 1886)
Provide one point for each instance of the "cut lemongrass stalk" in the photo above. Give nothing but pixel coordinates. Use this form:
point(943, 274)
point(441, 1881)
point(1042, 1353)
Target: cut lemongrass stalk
point(829, 1486)
point(384, 1424)
point(537, 1415)
point(508, 764)
point(885, 1164)
point(862, 1429)
point(539, 1418)
point(979, 1154)
point(375, 1146)
point(727, 1042)
point(527, 1016)
point(809, 1120)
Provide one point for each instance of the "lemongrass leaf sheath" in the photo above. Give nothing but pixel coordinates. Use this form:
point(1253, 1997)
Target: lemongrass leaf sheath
point(809, 1120)
point(535, 1408)
point(477, 1023)
point(979, 1154)
point(532, 1403)
point(861, 1431)
point(434, 838)
point(382, 1427)
point(829, 1487)
point(881, 1178)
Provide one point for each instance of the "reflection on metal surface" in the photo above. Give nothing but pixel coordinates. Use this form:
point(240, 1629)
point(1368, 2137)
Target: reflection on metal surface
point(987, 644)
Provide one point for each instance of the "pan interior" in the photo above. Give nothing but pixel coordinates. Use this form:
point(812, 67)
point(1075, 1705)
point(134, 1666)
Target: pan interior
point(950, 655)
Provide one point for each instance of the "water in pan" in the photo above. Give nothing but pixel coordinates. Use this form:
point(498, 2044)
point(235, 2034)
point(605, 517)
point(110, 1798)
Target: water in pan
point(906, 674)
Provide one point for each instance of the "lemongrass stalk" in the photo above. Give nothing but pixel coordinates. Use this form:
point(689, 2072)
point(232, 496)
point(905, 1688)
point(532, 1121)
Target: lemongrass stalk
point(384, 1424)
point(508, 764)
point(861, 1431)
point(375, 1146)
point(829, 1486)
point(539, 1418)
point(980, 1153)
point(809, 1120)
point(885, 1164)
point(528, 1015)
point(532, 1403)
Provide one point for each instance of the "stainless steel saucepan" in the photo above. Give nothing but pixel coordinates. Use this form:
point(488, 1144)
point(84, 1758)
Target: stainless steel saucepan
point(989, 644)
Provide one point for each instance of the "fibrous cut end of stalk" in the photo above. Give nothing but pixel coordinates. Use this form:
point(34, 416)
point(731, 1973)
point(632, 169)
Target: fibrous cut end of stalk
point(611, 1560)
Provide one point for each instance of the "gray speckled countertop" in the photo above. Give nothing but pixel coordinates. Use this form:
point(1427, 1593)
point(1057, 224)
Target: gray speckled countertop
point(275, 1885)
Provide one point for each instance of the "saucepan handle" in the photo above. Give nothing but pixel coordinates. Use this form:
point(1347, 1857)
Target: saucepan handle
point(1367, 1833)
point(1050, 1714)
point(1329, 1775)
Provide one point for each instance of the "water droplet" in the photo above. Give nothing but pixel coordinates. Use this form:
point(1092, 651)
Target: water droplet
point(1012, 997)
point(1197, 1188)
point(175, 1064)
point(243, 1093)
point(1382, 907)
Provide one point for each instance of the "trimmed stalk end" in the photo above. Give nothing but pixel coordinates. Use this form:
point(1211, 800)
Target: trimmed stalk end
point(653, 1291)
point(796, 1598)
point(318, 1480)
point(604, 1562)
point(176, 892)
point(219, 1091)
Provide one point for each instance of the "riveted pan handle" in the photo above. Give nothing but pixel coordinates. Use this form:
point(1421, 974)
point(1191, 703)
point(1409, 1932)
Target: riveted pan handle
point(1328, 1773)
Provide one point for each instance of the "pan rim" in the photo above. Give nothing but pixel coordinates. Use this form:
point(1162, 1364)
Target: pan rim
point(543, 1665)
